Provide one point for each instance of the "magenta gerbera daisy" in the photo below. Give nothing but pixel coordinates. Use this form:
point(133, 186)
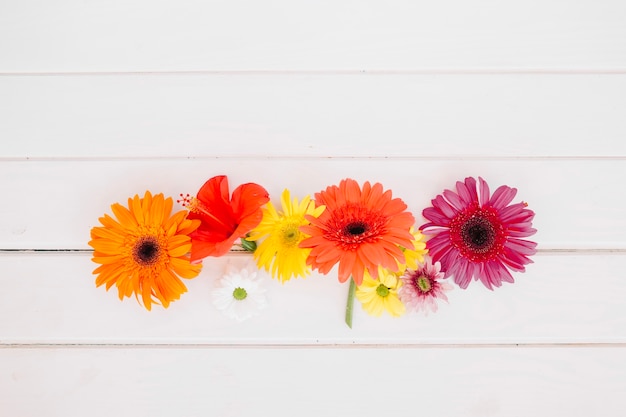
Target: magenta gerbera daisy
point(422, 287)
point(477, 235)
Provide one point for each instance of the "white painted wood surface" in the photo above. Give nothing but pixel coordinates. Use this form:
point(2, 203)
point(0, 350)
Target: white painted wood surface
point(329, 115)
point(99, 101)
point(283, 35)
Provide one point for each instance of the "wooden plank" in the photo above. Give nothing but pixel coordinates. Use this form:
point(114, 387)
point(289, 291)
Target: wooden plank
point(563, 299)
point(313, 115)
point(189, 35)
point(576, 382)
point(578, 202)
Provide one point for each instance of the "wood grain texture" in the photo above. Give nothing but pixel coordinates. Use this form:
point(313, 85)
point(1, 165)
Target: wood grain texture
point(481, 115)
point(36, 36)
point(311, 382)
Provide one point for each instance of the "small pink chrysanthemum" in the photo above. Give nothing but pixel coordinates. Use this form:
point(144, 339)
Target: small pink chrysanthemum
point(422, 287)
point(477, 235)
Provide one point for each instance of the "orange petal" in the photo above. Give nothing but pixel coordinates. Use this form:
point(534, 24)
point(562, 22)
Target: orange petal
point(124, 215)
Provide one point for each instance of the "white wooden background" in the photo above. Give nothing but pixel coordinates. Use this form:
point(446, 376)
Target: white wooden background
point(102, 100)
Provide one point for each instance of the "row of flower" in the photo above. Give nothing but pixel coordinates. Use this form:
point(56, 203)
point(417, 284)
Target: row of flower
point(361, 231)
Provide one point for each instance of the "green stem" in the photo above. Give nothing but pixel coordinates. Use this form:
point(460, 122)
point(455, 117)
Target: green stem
point(350, 302)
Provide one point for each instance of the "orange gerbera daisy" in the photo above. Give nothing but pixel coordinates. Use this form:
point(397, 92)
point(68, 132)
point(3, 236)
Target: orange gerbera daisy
point(360, 229)
point(144, 250)
point(223, 220)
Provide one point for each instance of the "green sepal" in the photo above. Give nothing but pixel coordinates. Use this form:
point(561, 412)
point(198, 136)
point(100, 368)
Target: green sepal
point(249, 245)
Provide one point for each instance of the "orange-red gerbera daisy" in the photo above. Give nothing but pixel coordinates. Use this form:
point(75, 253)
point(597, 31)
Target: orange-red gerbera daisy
point(144, 250)
point(223, 219)
point(360, 229)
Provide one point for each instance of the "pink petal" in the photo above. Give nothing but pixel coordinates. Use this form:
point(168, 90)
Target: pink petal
point(435, 216)
point(487, 277)
point(470, 183)
point(484, 192)
point(524, 247)
point(516, 213)
point(437, 244)
point(443, 206)
point(502, 197)
point(454, 200)
point(460, 278)
point(521, 233)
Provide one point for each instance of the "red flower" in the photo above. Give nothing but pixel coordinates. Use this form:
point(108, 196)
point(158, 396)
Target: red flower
point(360, 229)
point(224, 220)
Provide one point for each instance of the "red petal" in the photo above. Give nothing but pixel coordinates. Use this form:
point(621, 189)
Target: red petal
point(215, 197)
point(247, 199)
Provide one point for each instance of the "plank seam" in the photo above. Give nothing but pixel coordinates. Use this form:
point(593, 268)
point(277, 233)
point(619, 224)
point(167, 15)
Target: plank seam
point(347, 345)
point(328, 72)
point(521, 158)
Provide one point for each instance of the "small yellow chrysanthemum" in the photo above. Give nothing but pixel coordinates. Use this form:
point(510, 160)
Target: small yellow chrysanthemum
point(378, 295)
point(144, 251)
point(416, 254)
point(281, 232)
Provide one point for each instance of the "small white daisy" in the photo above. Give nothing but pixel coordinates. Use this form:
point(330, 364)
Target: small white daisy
point(239, 293)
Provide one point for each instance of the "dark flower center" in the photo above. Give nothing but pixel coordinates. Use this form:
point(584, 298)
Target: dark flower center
point(352, 225)
point(356, 229)
point(478, 234)
point(147, 251)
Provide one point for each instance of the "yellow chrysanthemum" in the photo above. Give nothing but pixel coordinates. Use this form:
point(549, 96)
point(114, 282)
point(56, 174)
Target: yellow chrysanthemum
point(281, 236)
point(144, 251)
point(416, 254)
point(378, 295)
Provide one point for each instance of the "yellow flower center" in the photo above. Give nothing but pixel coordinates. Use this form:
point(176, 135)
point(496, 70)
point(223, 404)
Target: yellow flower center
point(382, 291)
point(290, 234)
